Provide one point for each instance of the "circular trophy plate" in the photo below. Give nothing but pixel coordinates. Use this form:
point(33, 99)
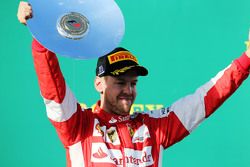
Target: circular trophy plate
point(81, 29)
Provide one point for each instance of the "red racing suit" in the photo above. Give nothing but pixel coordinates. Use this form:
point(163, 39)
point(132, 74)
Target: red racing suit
point(97, 138)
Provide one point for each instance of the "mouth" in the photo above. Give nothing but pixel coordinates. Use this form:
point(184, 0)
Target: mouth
point(126, 99)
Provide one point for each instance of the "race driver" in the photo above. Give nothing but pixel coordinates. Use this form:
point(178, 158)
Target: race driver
point(108, 135)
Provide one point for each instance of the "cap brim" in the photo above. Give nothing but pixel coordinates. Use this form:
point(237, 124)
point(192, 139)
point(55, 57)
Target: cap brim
point(140, 70)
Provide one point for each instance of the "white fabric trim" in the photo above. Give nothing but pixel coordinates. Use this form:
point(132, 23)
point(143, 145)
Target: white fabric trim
point(191, 109)
point(160, 156)
point(76, 155)
point(61, 112)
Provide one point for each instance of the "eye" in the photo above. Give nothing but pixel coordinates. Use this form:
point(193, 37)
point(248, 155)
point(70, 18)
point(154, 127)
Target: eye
point(133, 84)
point(120, 83)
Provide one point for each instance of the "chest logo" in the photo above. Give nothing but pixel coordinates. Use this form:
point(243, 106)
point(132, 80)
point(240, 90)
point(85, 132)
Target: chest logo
point(98, 128)
point(130, 130)
point(112, 120)
point(112, 134)
point(100, 154)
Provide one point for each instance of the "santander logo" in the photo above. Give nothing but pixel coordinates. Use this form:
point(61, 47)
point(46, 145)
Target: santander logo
point(100, 154)
point(119, 119)
point(112, 120)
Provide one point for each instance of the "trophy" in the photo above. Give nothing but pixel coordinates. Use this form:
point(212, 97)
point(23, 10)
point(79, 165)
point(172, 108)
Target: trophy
point(81, 29)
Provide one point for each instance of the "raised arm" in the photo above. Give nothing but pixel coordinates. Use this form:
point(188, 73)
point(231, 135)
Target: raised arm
point(183, 116)
point(61, 106)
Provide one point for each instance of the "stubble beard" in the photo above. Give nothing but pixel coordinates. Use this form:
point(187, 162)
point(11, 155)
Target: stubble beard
point(119, 107)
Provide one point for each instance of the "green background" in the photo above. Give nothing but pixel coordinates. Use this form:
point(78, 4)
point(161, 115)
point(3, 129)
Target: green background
point(182, 42)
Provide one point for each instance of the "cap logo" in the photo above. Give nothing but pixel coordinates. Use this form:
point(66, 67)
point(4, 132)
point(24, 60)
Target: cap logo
point(118, 71)
point(101, 70)
point(73, 25)
point(121, 56)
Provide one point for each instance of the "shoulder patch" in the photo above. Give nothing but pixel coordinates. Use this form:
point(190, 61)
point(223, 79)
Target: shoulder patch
point(158, 113)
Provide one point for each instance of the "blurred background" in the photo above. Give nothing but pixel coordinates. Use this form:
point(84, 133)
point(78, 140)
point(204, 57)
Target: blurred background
point(183, 43)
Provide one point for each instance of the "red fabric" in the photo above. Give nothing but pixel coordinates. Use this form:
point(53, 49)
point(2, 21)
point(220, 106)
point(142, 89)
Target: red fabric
point(140, 136)
point(51, 81)
point(226, 85)
point(244, 62)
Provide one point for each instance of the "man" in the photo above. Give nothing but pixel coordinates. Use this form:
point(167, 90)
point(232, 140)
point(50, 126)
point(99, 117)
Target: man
point(108, 135)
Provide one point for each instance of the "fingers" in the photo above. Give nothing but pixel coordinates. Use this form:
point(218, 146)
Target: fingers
point(24, 12)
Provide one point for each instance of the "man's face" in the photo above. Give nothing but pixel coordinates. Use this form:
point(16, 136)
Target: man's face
point(119, 93)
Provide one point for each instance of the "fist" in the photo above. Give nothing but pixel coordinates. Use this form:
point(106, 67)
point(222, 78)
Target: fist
point(24, 12)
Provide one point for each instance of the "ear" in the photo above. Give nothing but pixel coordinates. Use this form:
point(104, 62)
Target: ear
point(99, 84)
